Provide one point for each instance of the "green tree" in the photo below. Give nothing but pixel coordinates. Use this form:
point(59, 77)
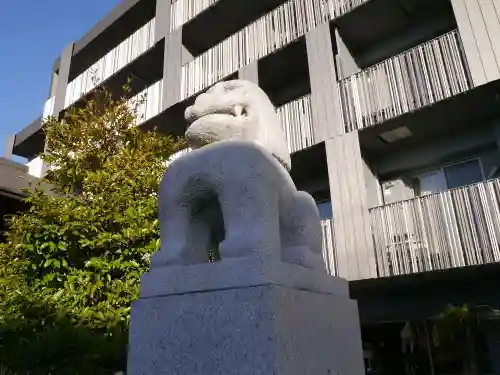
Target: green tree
point(459, 331)
point(70, 267)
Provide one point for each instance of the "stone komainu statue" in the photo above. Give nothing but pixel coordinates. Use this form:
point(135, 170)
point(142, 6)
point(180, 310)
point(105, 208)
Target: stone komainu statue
point(233, 191)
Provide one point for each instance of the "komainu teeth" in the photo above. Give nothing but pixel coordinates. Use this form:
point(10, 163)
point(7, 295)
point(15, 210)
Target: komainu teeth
point(238, 110)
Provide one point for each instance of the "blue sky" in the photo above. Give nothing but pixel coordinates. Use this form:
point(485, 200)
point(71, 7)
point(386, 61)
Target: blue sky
point(33, 34)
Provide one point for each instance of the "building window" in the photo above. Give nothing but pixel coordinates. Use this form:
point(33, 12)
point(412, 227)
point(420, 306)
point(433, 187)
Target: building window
point(463, 174)
point(325, 210)
point(450, 177)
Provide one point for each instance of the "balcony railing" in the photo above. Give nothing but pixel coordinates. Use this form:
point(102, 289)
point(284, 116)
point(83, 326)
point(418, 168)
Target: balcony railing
point(329, 253)
point(455, 228)
point(182, 11)
point(419, 77)
point(148, 102)
point(296, 121)
point(271, 32)
point(48, 108)
point(115, 60)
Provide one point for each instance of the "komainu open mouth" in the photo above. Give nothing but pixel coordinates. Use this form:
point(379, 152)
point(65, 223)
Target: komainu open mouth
point(196, 113)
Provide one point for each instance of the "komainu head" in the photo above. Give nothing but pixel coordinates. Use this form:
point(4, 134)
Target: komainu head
point(236, 110)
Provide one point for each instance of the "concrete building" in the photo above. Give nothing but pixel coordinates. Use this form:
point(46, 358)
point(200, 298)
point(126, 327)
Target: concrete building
point(14, 179)
point(391, 109)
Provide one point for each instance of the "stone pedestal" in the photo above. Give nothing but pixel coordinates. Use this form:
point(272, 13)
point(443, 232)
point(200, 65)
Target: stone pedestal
point(244, 317)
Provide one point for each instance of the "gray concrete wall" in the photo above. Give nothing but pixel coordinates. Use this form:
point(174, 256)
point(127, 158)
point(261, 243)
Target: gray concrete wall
point(401, 42)
point(186, 56)
point(372, 185)
point(403, 187)
point(353, 238)
point(433, 151)
point(407, 164)
point(288, 93)
point(479, 25)
point(346, 65)
point(325, 99)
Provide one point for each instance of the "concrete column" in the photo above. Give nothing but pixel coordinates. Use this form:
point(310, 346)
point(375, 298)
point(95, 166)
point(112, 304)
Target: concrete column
point(325, 100)
point(9, 146)
point(63, 79)
point(479, 26)
point(172, 68)
point(346, 65)
point(245, 317)
point(162, 22)
point(250, 72)
point(53, 84)
point(353, 237)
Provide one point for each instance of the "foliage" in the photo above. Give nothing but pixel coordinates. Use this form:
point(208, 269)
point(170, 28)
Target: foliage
point(70, 267)
point(458, 331)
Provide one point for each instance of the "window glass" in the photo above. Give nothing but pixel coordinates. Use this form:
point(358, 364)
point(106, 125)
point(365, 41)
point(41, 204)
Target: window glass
point(431, 183)
point(325, 210)
point(463, 174)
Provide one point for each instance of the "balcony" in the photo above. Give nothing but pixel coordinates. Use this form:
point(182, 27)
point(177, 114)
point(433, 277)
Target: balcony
point(422, 76)
point(455, 228)
point(148, 103)
point(183, 11)
point(296, 120)
point(114, 61)
point(268, 34)
point(451, 229)
point(393, 26)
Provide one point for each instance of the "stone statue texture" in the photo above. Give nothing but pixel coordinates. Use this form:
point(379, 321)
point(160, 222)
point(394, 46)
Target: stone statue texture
point(233, 192)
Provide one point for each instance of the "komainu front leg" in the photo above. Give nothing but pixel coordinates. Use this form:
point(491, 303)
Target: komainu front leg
point(251, 220)
point(184, 239)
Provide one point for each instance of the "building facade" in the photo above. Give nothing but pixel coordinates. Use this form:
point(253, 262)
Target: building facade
point(14, 179)
point(391, 109)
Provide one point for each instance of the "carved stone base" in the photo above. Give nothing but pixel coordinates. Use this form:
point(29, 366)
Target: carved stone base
point(287, 320)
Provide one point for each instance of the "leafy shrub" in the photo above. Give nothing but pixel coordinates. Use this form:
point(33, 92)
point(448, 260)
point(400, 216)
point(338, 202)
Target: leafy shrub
point(70, 267)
